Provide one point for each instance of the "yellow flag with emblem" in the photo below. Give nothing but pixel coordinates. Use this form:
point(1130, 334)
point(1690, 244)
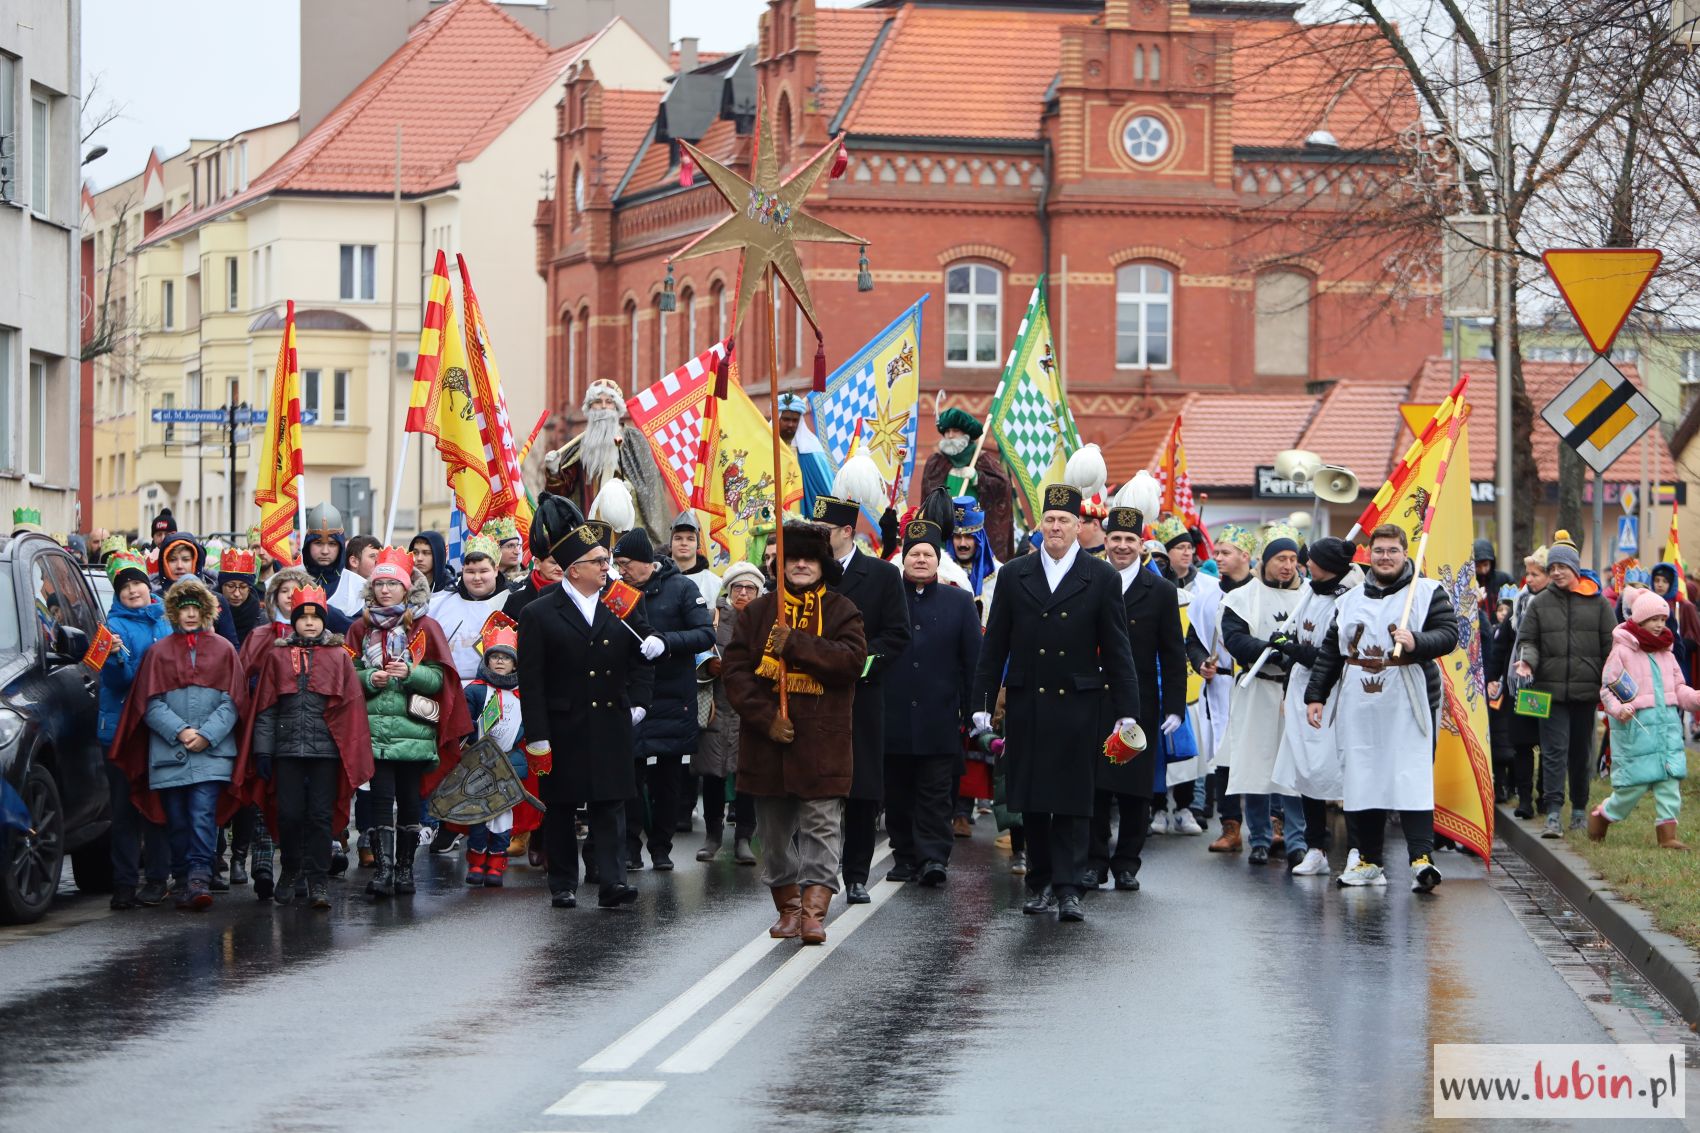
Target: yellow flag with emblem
point(442, 405)
point(738, 466)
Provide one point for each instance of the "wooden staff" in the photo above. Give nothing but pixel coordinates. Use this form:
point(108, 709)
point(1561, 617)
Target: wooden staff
point(778, 476)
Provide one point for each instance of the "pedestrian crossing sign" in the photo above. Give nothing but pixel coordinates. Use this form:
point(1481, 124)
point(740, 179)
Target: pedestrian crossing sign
point(1600, 414)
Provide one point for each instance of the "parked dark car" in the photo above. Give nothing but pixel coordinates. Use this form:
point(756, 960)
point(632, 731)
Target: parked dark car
point(49, 711)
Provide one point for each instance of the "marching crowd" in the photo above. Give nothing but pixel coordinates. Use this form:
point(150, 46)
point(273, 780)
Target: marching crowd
point(1115, 675)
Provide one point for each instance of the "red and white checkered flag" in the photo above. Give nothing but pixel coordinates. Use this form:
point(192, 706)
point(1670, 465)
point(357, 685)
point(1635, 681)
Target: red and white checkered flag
point(670, 414)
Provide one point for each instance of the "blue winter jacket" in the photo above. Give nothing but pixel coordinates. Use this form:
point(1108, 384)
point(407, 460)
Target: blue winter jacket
point(136, 630)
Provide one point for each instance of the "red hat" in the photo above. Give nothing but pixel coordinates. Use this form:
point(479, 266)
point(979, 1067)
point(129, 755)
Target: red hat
point(308, 598)
point(394, 564)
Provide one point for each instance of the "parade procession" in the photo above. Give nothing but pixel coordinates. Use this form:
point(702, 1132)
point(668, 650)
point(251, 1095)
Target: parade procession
point(957, 540)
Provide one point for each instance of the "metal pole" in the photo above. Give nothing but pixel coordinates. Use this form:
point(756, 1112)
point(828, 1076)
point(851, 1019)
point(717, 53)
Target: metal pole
point(390, 376)
point(778, 472)
point(1505, 271)
point(230, 424)
point(1599, 518)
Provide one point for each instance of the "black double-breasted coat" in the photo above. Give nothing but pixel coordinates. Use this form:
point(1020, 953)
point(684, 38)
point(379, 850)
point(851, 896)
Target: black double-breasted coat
point(578, 683)
point(1153, 614)
point(1065, 664)
point(928, 687)
point(876, 587)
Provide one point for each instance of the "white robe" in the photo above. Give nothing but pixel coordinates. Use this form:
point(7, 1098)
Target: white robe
point(1308, 762)
point(1385, 727)
point(1209, 716)
point(350, 597)
point(1254, 716)
point(463, 621)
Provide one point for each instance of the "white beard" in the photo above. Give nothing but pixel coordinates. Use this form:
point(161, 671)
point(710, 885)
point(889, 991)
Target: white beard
point(953, 446)
point(599, 450)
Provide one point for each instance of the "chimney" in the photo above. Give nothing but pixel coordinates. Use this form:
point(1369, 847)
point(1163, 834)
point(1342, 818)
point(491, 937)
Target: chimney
point(687, 54)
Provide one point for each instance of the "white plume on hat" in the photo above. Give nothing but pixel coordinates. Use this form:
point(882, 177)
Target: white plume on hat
point(1086, 470)
point(1142, 492)
point(613, 505)
point(859, 480)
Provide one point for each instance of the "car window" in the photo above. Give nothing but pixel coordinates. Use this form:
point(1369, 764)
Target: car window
point(76, 608)
point(10, 641)
point(45, 596)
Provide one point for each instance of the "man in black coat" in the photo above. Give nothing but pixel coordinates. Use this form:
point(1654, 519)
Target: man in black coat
point(926, 704)
point(877, 589)
point(1160, 661)
point(1056, 640)
point(678, 614)
point(584, 683)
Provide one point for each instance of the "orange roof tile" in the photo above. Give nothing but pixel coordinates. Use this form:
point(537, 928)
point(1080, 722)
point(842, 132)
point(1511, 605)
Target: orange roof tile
point(1228, 435)
point(1357, 426)
point(627, 116)
point(1544, 381)
point(654, 167)
point(1286, 74)
point(844, 36)
point(1140, 446)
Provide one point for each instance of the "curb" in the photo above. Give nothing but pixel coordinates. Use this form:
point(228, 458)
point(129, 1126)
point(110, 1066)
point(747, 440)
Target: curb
point(1667, 962)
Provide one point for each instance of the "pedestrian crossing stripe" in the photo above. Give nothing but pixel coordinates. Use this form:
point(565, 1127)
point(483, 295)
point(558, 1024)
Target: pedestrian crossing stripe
point(1600, 414)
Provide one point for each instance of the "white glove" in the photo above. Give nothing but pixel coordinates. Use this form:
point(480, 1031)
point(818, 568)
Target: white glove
point(639, 713)
point(538, 749)
point(982, 721)
point(652, 647)
point(1170, 725)
point(1125, 722)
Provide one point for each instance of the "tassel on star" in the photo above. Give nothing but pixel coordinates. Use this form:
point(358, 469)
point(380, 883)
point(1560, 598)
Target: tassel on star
point(687, 170)
point(820, 363)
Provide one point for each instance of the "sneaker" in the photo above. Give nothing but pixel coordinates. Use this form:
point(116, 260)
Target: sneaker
point(1424, 877)
point(1352, 859)
point(1185, 822)
point(1160, 822)
point(1315, 861)
point(1364, 873)
point(151, 894)
point(123, 897)
point(1018, 863)
point(1578, 818)
point(441, 841)
point(1553, 828)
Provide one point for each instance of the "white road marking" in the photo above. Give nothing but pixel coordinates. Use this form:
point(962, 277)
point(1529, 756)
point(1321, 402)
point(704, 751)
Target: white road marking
point(606, 1098)
point(720, 1036)
point(624, 1052)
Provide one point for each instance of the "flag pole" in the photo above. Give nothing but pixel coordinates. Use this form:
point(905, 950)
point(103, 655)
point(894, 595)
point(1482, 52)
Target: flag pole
point(1453, 428)
point(778, 473)
point(395, 487)
point(395, 296)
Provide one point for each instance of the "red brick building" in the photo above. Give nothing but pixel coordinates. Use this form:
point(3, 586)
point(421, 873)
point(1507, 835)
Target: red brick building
point(1164, 153)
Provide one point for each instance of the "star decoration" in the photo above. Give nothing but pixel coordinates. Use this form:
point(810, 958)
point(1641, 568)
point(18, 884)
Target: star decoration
point(885, 435)
point(767, 219)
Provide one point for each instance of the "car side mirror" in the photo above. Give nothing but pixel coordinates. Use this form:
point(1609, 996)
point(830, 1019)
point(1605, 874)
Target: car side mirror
point(70, 642)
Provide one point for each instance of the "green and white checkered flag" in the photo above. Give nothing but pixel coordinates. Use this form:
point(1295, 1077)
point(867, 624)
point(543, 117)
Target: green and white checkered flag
point(1029, 417)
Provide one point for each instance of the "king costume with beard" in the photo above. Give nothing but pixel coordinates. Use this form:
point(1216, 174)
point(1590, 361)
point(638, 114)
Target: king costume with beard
point(986, 481)
point(610, 446)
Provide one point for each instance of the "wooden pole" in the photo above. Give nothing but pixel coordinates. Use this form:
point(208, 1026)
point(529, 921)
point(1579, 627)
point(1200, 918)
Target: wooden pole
point(778, 474)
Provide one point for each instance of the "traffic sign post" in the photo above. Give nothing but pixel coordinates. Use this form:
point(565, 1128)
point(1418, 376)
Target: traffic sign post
point(235, 421)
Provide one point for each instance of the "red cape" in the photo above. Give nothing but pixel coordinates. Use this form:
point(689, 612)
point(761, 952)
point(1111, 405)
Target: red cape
point(254, 647)
point(454, 721)
point(165, 666)
point(332, 677)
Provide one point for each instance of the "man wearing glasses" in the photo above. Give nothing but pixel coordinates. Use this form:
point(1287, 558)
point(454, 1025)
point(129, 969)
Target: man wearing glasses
point(585, 682)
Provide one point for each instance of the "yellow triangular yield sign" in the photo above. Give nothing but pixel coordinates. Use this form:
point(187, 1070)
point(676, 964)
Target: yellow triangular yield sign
point(1601, 286)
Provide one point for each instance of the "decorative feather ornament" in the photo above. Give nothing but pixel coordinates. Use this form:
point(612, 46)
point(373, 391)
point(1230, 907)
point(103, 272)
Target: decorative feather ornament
point(1086, 470)
point(1142, 492)
point(613, 505)
point(859, 481)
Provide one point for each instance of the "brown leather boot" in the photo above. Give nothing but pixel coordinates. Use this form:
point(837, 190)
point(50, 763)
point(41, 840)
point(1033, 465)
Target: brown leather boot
point(1229, 842)
point(1278, 844)
point(1598, 824)
point(815, 900)
point(790, 905)
point(1667, 841)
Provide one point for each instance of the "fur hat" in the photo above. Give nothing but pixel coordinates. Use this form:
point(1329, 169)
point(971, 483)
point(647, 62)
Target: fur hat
point(749, 572)
point(191, 591)
point(810, 541)
point(275, 585)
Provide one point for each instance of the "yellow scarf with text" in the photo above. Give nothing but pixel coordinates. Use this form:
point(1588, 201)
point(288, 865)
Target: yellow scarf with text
point(803, 615)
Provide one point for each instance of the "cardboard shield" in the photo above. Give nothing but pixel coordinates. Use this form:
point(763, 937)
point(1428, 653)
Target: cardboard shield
point(480, 787)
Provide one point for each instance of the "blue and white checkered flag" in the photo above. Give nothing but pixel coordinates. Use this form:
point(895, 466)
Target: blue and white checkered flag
point(457, 539)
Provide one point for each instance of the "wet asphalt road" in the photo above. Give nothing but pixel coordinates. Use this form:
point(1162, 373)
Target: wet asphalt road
point(1222, 992)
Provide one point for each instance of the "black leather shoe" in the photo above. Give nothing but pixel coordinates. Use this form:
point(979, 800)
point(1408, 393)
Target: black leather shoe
point(661, 862)
point(1259, 855)
point(1125, 879)
point(1094, 877)
point(1070, 909)
point(635, 862)
point(1041, 902)
point(616, 897)
point(565, 899)
point(1294, 857)
point(856, 893)
point(902, 871)
point(932, 874)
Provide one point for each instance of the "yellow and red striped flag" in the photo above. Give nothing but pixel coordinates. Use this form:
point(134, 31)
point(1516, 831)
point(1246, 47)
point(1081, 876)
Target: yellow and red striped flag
point(1673, 556)
point(442, 403)
point(277, 491)
point(508, 496)
point(1400, 481)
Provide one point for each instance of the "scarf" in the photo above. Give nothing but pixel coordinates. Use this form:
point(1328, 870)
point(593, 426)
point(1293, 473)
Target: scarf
point(495, 680)
point(803, 615)
point(389, 637)
point(1650, 642)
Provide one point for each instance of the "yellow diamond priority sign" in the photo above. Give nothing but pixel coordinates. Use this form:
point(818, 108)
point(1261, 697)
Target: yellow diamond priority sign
point(1600, 414)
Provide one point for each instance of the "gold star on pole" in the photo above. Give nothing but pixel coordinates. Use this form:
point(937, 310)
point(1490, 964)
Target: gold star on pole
point(767, 219)
point(886, 433)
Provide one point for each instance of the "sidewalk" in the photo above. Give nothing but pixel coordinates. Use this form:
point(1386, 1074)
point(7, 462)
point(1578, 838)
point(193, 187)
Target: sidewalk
point(1668, 963)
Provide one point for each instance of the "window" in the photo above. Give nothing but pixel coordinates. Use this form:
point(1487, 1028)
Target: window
point(972, 315)
point(1281, 341)
point(339, 396)
point(1144, 316)
point(688, 304)
point(8, 131)
point(1688, 376)
point(169, 401)
point(38, 418)
point(359, 271)
point(40, 153)
point(168, 305)
point(268, 289)
point(660, 337)
point(310, 392)
point(8, 457)
point(1145, 138)
point(632, 346)
point(230, 281)
point(572, 360)
point(123, 478)
point(719, 312)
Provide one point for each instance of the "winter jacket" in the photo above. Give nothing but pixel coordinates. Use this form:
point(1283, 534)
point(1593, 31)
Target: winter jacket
point(1649, 747)
point(210, 712)
point(344, 589)
point(926, 695)
point(1565, 638)
point(395, 734)
point(679, 616)
point(136, 631)
point(224, 625)
point(295, 727)
point(717, 747)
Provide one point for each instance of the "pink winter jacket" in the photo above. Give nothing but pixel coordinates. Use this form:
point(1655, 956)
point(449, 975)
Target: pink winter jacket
point(1628, 657)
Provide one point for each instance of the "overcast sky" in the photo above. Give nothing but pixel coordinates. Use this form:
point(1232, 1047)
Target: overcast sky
point(209, 68)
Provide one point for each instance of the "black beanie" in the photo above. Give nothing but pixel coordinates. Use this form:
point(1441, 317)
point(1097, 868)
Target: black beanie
point(635, 544)
point(1331, 554)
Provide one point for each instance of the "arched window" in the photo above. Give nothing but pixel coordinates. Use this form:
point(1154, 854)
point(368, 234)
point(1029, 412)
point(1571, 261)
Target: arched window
point(570, 338)
point(1144, 317)
point(633, 345)
point(717, 296)
point(1156, 63)
point(659, 365)
point(578, 194)
point(1282, 339)
point(688, 308)
point(1138, 63)
point(784, 136)
point(580, 356)
point(973, 315)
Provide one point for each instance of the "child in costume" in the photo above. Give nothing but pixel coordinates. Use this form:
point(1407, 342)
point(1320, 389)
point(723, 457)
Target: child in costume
point(492, 697)
point(137, 619)
point(1646, 731)
point(309, 743)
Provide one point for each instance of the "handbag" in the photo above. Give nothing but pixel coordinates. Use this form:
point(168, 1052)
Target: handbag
point(705, 705)
point(423, 709)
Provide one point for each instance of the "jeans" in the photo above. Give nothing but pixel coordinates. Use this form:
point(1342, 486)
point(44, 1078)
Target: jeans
point(306, 795)
point(191, 819)
point(1369, 828)
point(1262, 830)
point(1567, 746)
point(137, 844)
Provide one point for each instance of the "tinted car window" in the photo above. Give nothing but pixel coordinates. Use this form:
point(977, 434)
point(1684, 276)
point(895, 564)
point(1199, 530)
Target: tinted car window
point(10, 642)
point(45, 597)
point(76, 608)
